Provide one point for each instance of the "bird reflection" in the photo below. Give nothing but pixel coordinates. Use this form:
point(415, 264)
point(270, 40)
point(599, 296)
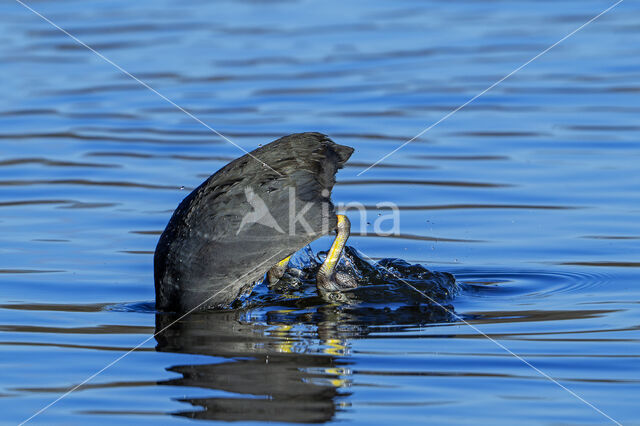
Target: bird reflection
point(286, 366)
point(284, 356)
point(275, 372)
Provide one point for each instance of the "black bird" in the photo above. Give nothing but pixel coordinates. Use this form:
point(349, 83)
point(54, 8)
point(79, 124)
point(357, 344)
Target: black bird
point(245, 218)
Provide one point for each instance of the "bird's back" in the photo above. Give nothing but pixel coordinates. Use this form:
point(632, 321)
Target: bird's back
point(244, 219)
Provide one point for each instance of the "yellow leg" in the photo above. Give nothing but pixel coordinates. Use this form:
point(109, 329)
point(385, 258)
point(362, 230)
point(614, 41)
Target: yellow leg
point(325, 277)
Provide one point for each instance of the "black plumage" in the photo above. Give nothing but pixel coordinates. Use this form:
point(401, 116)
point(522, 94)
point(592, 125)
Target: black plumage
point(211, 252)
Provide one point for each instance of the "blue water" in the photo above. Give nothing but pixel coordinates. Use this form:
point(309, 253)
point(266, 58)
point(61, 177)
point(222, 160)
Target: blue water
point(528, 195)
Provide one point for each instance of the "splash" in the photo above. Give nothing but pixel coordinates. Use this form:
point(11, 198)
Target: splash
point(385, 282)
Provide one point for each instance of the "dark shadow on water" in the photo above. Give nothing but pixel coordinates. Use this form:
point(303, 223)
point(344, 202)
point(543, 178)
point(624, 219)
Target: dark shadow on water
point(290, 366)
point(265, 366)
point(284, 354)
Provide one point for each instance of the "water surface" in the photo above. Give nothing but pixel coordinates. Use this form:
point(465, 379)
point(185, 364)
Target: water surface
point(529, 196)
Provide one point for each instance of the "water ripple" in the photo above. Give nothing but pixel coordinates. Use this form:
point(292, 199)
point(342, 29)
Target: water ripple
point(487, 283)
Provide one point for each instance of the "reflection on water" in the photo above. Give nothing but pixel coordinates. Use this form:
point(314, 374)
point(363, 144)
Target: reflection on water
point(528, 195)
point(288, 365)
point(268, 368)
point(286, 353)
